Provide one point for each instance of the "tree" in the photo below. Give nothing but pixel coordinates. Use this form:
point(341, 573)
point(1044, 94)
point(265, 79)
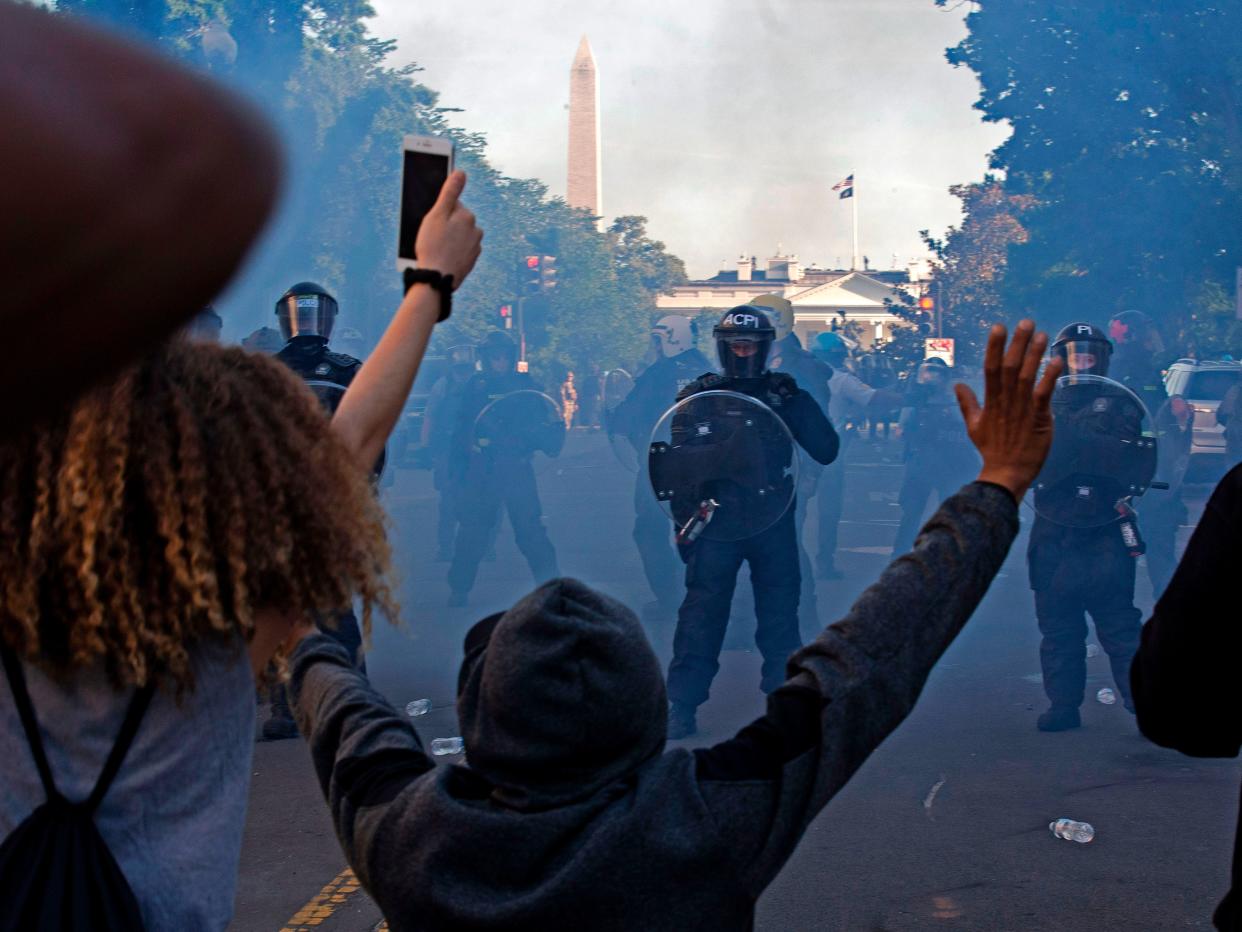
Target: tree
point(1127, 139)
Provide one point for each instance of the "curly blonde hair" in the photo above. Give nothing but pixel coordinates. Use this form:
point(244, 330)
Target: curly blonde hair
point(168, 506)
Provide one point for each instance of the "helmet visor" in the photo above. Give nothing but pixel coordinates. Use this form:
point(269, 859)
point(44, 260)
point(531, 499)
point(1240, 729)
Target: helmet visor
point(306, 315)
point(1085, 357)
point(744, 356)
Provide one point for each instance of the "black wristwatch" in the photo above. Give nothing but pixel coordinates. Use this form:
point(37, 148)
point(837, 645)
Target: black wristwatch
point(441, 283)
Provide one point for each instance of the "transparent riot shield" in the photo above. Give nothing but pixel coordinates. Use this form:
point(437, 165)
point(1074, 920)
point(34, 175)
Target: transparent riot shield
point(520, 424)
point(1104, 453)
point(328, 393)
point(616, 388)
point(723, 466)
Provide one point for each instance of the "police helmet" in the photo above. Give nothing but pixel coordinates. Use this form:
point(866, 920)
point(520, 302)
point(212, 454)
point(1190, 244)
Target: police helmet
point(1134, 328)
point(780, 312)
point(675, 334)
point(933, 368)
point(498, 345)
point(743, 338)
point(830, 348)
point(263, 340)
point(1084, 348)
point(306, 309)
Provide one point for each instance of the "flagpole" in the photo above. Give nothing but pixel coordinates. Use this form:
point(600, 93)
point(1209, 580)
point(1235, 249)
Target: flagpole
point(854, 199)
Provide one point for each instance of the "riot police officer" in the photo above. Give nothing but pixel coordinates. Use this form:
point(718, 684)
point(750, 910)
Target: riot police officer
point(306, 314)
point(679, 363)
point(500, 474)
point(1082, 550)
point(939, 456)
point(743, 342)
point(1135, 362)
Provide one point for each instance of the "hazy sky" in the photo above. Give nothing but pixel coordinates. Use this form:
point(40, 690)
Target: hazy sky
point(725, 122)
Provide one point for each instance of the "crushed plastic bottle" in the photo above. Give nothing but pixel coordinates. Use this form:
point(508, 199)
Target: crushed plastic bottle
point(1081, 832)
point(418, 707)
point(1093, 650)
point(1106, 696)
point(442, 747)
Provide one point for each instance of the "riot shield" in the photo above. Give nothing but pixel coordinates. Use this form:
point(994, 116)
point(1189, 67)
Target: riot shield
point(616, 388)
point(1103, 453)
point(518, 425)
point(723, 466)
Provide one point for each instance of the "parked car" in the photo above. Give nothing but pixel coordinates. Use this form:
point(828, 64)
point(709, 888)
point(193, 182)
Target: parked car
point(1203, 383)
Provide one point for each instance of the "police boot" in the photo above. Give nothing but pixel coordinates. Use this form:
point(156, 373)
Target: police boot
point(1060, 718)
point(280, 724)
point(681, 722)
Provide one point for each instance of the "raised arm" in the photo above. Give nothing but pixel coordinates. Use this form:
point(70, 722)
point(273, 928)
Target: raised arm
point(131, 190)
point(449, 242)
point(852, 686)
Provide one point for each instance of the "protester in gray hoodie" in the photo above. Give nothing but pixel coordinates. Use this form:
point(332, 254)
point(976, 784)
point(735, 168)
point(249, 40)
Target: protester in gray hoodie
point(568, 812)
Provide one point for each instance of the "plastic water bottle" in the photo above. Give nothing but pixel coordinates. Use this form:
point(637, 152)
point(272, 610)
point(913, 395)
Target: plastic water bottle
point(441, 747)
point(418, 707)
point(1081, 832)
point(1093, 650)
point(1106, 696)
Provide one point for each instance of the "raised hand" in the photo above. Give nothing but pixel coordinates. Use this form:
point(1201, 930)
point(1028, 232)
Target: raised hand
point(1013, 428)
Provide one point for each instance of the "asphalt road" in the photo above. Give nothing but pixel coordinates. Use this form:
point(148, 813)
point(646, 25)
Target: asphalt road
point(946, 827)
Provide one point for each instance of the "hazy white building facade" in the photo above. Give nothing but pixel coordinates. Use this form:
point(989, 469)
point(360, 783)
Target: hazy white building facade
point(821, 298)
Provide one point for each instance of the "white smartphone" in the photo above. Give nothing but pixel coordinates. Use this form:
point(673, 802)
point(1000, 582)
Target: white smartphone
point(426, 163)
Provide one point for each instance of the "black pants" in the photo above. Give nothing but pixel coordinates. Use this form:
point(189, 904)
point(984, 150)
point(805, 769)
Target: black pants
point(653, 537)
point(490, 485)
point(829, 497)
point(447, 513)
point(1074, 573)
point(711, 575)
point(936, 473)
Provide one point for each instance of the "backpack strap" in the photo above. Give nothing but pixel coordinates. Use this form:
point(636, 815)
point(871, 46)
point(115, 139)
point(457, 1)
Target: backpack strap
point(133, 718)
point(17, 685)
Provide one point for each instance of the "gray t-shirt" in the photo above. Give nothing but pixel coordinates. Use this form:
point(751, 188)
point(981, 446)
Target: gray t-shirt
point(173, 817)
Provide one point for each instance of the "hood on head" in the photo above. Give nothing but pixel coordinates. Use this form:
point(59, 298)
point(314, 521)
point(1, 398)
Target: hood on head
point(559, 696)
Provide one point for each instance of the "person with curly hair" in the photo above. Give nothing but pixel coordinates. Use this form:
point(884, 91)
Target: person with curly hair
point(162, 538)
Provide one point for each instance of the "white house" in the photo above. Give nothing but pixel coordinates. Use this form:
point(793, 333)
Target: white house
point(820, 297)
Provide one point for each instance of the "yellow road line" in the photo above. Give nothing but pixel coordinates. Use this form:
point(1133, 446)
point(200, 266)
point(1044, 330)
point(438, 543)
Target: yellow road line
point(324, 903)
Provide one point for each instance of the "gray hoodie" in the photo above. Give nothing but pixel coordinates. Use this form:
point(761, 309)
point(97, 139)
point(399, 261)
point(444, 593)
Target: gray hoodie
point(569, 813)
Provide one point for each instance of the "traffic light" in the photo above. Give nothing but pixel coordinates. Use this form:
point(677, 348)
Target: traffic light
point(506, 316)
point(927, 304)
point(547, 273)
point(530, 273)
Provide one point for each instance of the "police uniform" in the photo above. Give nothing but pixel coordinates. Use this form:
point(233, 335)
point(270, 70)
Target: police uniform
point(1082, 552)
point(772, 554)
point(496, 477)
point(635, 418)
point(939, 456)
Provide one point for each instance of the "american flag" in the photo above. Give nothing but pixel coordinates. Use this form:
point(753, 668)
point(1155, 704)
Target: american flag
point(846, 187)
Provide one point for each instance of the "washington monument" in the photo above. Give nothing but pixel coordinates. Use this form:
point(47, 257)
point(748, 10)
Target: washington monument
point(584, 188)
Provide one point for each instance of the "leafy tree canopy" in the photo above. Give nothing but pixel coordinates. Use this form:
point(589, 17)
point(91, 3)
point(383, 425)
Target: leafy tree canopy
point(1127, 152)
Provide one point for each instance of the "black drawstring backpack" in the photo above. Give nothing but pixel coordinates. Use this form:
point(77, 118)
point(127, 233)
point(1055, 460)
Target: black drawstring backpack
point(56, 872)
